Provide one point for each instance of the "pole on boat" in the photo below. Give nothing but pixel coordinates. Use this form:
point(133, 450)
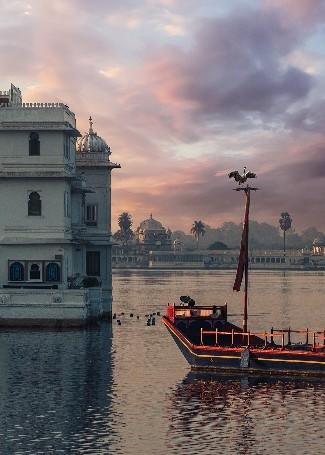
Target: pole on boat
point(248, 201)
point(242, 268)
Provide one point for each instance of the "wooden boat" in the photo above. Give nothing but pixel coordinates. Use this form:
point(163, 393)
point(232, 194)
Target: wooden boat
point(209, 341)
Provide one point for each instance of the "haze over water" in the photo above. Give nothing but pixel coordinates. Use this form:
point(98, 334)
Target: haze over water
point(127, 389)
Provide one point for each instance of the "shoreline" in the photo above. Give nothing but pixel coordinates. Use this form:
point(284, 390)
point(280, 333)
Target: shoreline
point(271, 269)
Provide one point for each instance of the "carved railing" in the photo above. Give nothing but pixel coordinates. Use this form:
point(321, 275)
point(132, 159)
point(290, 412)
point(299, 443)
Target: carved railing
point(36, 105)
point(92, 156)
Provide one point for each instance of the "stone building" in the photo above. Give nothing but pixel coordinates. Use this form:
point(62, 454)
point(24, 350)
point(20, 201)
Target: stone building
point(151, 235)
point(55, 222)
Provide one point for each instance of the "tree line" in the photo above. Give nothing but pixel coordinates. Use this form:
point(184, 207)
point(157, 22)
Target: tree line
point(228, 235)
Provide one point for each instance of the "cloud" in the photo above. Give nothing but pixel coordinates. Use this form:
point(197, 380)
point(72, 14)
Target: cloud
point(310, 118)
point(303, 12)
point(235, 69)
point(181, 97)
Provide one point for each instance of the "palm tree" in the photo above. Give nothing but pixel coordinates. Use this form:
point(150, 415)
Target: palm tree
point(125, 221)
point(285, 222)
point(198, 229)
point(125, 233)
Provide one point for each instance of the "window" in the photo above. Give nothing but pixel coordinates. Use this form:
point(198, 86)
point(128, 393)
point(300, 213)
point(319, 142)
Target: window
point(16, 271)
point(93, 263)
point(67, 211)
point(35, 271)
point(66, 147)
point(53, 272)
point(34, 204)
point(91, 215)
point(34, 144)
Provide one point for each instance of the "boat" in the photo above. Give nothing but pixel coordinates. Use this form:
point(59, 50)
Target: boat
point(210, 342)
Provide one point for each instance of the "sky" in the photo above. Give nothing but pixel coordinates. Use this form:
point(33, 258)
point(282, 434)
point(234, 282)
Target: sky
point(185, 91)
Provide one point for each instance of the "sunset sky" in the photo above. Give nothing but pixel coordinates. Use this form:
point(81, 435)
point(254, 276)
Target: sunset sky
point(185, 91)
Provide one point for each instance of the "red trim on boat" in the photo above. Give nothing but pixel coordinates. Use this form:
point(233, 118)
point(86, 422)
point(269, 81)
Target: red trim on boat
point(279, 351)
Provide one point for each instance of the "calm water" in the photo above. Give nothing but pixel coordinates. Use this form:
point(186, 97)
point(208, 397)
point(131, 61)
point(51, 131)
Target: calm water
point(127, 390)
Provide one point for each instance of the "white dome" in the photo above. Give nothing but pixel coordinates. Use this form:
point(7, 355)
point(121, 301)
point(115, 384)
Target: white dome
point(90, 142)
point(151, 225)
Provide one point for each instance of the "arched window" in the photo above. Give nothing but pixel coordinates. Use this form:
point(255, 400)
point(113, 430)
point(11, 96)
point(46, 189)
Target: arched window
point(34, 272)
point(16, 272)
point(34, 204)
point(53, 272)
point(34, 144)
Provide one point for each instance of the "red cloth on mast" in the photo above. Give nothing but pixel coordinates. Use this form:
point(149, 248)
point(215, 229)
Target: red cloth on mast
point(243, 255)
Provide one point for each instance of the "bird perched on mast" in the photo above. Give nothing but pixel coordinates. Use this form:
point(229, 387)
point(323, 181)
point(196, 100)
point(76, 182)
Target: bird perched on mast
point(242, 178)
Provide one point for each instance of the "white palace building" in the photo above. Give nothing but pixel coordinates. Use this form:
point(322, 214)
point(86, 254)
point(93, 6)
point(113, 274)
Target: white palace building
point(55, 217)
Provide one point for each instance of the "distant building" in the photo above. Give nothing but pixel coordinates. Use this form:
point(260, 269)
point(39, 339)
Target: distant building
point(228, 259)
point(55, 199)
point(151, 235)
point(318, 247)
point(125, 257)
point(178, 245)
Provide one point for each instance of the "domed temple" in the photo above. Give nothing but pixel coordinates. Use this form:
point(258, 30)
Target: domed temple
point(152, 236)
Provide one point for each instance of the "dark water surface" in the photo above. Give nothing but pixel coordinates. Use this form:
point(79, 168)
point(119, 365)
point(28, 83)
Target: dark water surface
point(127, 390)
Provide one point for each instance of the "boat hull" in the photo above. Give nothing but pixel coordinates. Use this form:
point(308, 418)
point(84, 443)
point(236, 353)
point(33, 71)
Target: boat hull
point(248, 361)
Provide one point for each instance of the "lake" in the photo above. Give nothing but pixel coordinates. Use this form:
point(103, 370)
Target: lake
point(126, 389)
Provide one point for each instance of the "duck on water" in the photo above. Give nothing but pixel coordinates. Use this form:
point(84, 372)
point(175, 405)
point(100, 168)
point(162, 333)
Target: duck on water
point(210, 342)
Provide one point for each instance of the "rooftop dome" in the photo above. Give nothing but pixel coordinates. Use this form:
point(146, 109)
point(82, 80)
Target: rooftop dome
point(150, 225)
point(90, 142)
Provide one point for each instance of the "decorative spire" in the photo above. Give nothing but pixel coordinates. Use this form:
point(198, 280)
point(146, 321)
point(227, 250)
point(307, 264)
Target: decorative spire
point(91, 126)
point(151, 216)
point(91, 142)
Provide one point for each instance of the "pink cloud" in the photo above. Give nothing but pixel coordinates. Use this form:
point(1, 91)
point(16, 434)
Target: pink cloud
point(178, 116)
point(303, 11)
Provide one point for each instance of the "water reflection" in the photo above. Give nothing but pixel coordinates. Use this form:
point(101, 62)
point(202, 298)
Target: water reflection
point(56, 390)
point(98, 392)
point(247, 414)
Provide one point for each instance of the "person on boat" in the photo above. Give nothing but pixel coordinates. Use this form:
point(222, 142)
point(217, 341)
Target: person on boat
point(191, 303)
point(216, 312)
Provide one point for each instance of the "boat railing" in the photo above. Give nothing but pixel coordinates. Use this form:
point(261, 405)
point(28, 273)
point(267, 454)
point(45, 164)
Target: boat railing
point(311, 337)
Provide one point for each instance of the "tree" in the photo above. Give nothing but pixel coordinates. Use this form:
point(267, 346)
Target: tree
point(198, 230)
point(125, 221)
point(263, 235)
point(217, 246)
point(309, 235)
point(125, 233)
point(229, 233)
point(285, 222)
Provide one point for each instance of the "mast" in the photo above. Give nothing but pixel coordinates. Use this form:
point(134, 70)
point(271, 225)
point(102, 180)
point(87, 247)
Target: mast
point(248, 201)
point(242, 268)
